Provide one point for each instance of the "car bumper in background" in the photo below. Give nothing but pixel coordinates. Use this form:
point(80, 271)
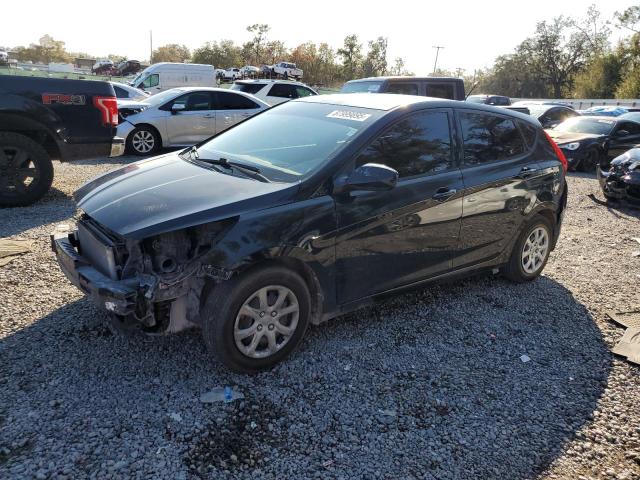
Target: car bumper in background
point(619, 187)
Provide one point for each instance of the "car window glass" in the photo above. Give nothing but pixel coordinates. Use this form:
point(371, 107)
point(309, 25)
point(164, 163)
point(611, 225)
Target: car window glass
point(282, 90)
point(488, 138)
point(632, 128)
point(248, 87)
point(529, 132)
point(403, 88)
point(151, 81)
point(440, 90)
point(303, 92)
point(194, 101)
point(233, 101)
point(417, 145)
point(120, 92)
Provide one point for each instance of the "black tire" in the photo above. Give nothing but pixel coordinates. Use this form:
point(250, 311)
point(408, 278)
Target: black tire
point(590, 161)
point(33, 165)
point(222, 305)
point(515, 270)
point(141, 138)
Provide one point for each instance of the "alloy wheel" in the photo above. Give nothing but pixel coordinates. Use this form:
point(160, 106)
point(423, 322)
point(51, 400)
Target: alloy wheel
point(18, 172)
point(266, 321)
point(143, 141)
point(535, 250)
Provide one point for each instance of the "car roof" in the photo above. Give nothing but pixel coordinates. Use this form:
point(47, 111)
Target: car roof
point(403, 77)
point(391, 101)
point(269, 80)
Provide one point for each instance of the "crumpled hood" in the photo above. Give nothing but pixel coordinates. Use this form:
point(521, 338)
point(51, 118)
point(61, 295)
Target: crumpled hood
point(167, 193)
point(628, 163)
point(568, 137)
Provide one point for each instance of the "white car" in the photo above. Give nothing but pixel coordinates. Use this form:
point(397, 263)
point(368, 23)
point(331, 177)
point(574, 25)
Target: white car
point(182, 116)
point(164, 76)
point(129, 93)
point(232, 74)
point(274, 91)
point(286, 70)
point(4, 57)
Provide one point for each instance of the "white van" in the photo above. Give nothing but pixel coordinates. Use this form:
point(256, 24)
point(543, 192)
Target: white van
point(163, 76)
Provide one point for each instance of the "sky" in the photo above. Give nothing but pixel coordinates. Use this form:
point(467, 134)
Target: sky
point(471, 36)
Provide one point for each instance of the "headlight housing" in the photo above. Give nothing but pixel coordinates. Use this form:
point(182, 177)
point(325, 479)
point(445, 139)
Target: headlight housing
point(571, 146)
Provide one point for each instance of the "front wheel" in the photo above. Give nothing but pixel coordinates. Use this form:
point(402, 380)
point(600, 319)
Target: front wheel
point(26, 171)
point(143, 141)
point(590, 161)
point(531, 251)
point(252, 322)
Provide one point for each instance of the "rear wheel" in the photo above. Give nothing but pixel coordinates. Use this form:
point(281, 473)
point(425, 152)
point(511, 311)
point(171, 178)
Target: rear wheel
point(143, 141)
point(26, 171)
point(531, 251)
point(256, 320)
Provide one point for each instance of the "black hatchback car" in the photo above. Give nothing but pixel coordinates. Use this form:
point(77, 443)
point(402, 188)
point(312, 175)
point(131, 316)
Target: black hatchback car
point(311, 209)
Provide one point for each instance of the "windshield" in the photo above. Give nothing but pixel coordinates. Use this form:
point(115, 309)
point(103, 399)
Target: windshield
point(162, 97)
point(248, 87)
point(477, 99)
point(291, 141)
point(362, 87)
point(597, 126)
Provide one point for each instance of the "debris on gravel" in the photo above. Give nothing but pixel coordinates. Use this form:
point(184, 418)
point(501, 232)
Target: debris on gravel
point(478, 378)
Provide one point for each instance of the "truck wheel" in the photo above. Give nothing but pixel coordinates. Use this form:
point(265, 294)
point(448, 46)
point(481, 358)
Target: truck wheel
point(255, 320)
point(531, 251)
point(143, 141)
point(26, 171)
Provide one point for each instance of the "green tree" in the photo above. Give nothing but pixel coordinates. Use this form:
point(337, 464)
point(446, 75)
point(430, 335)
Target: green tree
point(375, 63)
point(600, 79)
point(222, 54)
point(171, 53)
point(351, 53)
point(629, 19)
point(47, 50)
point(256, 45)
point(274, 52)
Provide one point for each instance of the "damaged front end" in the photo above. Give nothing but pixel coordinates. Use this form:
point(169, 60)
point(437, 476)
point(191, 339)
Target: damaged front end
point(154, 284)
point(622, 180)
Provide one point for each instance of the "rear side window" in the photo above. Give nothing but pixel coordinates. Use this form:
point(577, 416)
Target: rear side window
point(440, 90)
point(282, 90)
point(403, 88)
point(120, 92)
point(362, 87)
point(248, 87)
point(488, 138)
point(233, 101)
point(304, 92)
point(529, 132)
point(417, 145)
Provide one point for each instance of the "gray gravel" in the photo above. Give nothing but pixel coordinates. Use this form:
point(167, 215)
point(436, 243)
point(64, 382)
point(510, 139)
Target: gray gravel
point(429, 384)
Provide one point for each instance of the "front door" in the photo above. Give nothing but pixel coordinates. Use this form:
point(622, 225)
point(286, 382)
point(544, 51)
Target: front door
point(397, 237)
point(232, 108)
point(193, 124)
point(500, 173)
point(625, 136)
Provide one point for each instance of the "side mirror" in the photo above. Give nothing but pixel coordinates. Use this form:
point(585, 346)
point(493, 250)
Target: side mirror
point(622, 133)
point(177, 107)
point(370, 177)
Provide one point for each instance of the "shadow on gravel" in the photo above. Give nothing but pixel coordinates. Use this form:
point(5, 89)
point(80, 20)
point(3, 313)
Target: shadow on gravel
point(55, 206)
point(428, 384)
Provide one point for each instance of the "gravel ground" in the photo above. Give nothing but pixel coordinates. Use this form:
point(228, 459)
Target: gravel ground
point(429, 384)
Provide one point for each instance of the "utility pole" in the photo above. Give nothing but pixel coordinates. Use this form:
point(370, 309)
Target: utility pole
point(435, 64)
point(150, 47)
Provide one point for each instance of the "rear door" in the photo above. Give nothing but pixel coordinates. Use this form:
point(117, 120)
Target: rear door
point(232, 108)
point(397, 237)
point(499, 171)
point(193, 124)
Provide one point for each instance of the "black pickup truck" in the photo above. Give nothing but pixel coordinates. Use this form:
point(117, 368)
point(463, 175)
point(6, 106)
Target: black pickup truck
point(45, 118)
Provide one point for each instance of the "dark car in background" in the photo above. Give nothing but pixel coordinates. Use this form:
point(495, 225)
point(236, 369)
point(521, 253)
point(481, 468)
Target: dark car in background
point(550, 115)
point(591, 141)
point(45, 118)
point(438, 87)
point(311, 209)
point(498, 100)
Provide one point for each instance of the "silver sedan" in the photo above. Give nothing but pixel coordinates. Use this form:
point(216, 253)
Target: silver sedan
point(182, 116)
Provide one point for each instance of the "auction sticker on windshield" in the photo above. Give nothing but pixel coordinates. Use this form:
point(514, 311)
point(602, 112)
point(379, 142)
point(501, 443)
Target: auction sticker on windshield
point(349, 115)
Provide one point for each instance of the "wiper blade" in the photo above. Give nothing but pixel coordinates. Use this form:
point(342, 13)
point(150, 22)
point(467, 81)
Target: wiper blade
point(223, 162)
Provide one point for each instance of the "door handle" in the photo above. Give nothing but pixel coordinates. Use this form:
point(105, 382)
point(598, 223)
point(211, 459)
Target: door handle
point(443, 194)
point(526, 172)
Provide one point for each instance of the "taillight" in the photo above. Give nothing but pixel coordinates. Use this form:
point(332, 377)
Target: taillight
point(108, 107)
point(559, 153)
